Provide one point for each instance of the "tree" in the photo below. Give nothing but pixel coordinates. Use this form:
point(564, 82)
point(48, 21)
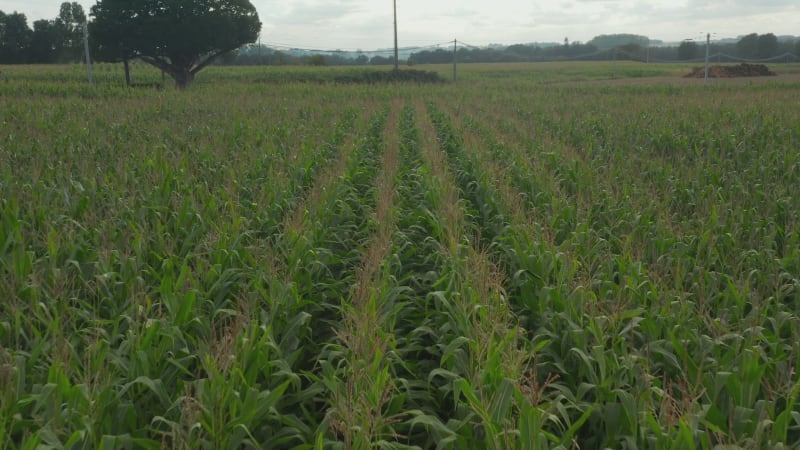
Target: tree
point(114, 33)
point(15, 38)
point(316, 60)
point(747, 47)
point(611, 41)
point(524, 52)
point(687, 50)
point(44, 40)
point(381, 60)
point(633, 52)
point(180, 37)
point(69, 32)
point(767, 46)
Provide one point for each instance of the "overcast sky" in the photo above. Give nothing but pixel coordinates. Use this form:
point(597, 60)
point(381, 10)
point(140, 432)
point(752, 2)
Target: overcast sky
point(367, 24)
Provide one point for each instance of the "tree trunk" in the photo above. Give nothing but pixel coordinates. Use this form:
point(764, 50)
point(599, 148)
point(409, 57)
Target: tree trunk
point(183, 78)
point(180, 71)
point(127, 72)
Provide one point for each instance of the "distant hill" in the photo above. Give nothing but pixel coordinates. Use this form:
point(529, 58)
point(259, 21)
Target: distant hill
point(609, 41)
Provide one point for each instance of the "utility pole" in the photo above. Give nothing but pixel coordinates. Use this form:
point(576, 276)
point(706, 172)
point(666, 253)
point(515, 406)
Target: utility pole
point(86, 50)
point(708, 45)
point(455, 58)
point(396, 51)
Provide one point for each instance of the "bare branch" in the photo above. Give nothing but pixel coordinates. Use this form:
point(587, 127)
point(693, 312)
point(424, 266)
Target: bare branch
point(157, 62)
point(210, 59)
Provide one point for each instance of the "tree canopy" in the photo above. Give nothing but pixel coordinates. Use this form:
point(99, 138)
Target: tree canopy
point(15, 37)
point(180, 37)
point(69, 29)
point(755, 46)
point(611, 41)
point(51, 41)
point(688, 50)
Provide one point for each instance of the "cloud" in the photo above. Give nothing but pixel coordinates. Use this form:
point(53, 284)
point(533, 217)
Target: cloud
point(367, 24)
point(316, 12)
point(739, 8)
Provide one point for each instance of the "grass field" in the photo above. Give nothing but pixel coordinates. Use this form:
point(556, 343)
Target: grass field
point(540, 256)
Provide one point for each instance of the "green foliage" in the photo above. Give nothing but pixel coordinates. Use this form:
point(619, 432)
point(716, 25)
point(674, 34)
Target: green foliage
point(180, 37)
point(755, 46)
point(609, 41)
point(593, 265)
point(51, 41)
point(15, 38)
point(688, 50)
point(393, 76)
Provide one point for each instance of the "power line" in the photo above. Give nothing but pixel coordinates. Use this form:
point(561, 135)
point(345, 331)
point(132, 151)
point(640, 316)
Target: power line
point(465, 44)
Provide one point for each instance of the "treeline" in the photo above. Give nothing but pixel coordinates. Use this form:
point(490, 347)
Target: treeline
point(255, 55)
point(260, 55)
point(512, 53)
point(59, 40)
point(750, 47)
point(604, 47)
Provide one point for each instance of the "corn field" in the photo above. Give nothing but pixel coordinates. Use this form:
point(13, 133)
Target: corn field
point(535, 257)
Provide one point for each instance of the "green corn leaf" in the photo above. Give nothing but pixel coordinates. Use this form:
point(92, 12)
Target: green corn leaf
point(500, 406)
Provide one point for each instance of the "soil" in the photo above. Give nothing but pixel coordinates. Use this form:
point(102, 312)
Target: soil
point(742, 70)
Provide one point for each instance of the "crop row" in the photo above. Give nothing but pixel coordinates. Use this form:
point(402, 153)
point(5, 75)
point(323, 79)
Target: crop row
point(492, 264)
point(134, 285)
point(705, 352)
